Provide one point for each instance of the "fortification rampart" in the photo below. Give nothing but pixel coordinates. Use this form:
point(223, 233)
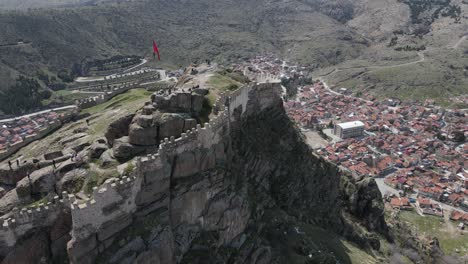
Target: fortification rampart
point(118, 197)
point(102, 98)
point(20, 221)
point(261, 77)
point(142, 75)
point(112, 200)
point(111, 207)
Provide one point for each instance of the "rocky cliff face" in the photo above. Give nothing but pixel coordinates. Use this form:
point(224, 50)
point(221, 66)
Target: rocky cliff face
point(245, 188)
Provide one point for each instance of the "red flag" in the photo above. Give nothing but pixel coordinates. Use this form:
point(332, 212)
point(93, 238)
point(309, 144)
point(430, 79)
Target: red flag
point(156, 50)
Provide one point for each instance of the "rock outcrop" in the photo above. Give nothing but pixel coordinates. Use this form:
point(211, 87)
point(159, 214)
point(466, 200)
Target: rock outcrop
point(225, 192)
point(118, 128)
point(166, 116)
point(124, 150)
point(97, 148)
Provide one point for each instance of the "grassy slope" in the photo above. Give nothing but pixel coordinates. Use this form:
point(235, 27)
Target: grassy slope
point(101, 116)
point(441, 75)
point(222, 30)
point(449, 236)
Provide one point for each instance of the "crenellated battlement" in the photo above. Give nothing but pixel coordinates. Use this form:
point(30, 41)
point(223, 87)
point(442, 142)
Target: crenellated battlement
point(30, 214)
point(199, 136)
point(119, 198)
point(261, 77)
point(100, 193)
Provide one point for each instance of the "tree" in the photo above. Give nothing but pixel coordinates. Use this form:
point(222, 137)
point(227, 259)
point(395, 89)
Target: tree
point(21, 97)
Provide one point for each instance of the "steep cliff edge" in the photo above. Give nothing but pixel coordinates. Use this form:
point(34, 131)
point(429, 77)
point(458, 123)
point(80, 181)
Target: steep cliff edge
point(244, 188)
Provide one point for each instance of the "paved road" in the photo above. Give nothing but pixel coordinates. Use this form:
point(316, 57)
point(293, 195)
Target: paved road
point(384, 188)
point(337, 93)
point(422, 58)
point(38, 113)
point(102, 78)
point(143, 62)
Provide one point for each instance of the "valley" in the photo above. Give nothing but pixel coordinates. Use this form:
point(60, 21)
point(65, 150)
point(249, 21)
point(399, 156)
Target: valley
point(296, 131)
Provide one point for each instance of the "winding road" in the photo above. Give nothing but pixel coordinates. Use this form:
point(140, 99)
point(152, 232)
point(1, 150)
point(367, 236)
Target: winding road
point(38, 113)
point(102, 78)
point(422, 58)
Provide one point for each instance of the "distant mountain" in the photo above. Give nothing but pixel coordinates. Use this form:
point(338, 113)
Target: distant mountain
point(356, 37)
point(26, 4)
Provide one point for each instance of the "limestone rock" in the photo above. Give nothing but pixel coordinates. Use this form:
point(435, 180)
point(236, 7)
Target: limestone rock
point(161, 246)
point(72, 181)
point(79, 147)
point(80, 129)
point(124, 150)
point(8, 201)
point(143, 131)
point(148, 257)
point(197, 102)
point(59, 236)
point(189, 124)
point(83, 251)
point(182, 102)
point(148, 109)
point(107, 158)
point(33, 250)
point(69, 165)
point(170, 125)
point(16, 173)
point(364, 200)
point(42, 181)
point(118, 128)
point(112, 227)
point(23, 188)
point(97, 149)
point(2, 192)
point(53, 155)
point(136, 245)
point(201, 91)
point(72, 138)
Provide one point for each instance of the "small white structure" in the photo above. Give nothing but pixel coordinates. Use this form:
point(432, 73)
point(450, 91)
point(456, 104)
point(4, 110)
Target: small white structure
point(349, 129)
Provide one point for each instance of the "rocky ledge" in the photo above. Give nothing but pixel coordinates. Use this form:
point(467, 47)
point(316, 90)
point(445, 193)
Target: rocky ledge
point(244, 188)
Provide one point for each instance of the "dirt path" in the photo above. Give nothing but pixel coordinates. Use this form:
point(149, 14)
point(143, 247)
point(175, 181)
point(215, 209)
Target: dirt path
point(422, 58)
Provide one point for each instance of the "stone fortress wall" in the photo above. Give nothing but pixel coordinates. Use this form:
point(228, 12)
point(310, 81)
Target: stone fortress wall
point(118, 84)
point(96, 220)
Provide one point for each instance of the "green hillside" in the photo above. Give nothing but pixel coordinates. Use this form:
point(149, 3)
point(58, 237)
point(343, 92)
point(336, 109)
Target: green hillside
point(316, 32)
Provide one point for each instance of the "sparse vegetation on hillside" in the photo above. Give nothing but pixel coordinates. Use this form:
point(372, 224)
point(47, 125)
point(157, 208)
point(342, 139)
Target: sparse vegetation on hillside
point(65, 43)
point(24, 96)
point(426, 11)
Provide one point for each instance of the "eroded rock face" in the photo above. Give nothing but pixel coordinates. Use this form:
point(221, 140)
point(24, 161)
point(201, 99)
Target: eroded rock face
point(97, 148)
point(33, 249)
point(149, 130)
point(118, 128)
point(230, 196)
point(40, 181)
point(181, 102)
point(72, 181)
point(170, 125)
point(107, 158)
point(124, 150)
point(16, 173)
point(53, 155)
